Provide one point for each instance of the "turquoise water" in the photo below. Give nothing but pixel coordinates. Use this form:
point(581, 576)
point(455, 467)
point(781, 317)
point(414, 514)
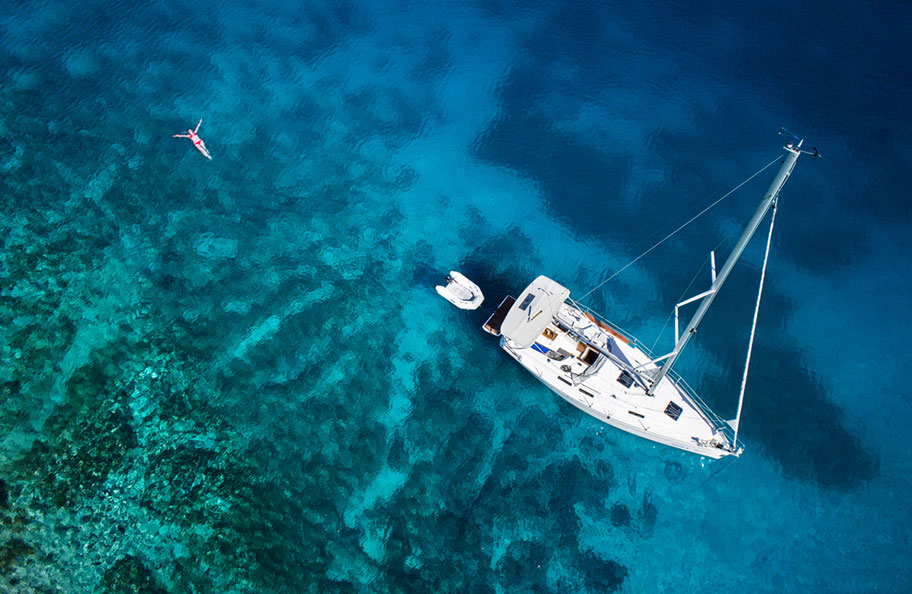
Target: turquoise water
point(235, 376)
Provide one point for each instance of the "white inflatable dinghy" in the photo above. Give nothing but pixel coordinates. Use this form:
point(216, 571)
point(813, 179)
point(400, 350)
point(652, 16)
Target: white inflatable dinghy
point(461, 292)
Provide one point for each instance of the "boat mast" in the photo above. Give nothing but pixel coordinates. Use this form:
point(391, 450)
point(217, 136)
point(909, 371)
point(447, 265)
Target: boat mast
point(771, 194)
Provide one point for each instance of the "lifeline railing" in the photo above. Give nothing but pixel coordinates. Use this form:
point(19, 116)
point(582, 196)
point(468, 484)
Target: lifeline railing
point(711, 417)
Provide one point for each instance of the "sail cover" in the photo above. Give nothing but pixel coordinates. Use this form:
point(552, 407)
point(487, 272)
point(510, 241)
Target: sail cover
point(533, 311)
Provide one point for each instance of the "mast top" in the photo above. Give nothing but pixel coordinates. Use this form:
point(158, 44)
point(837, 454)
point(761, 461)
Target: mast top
point(791, 146)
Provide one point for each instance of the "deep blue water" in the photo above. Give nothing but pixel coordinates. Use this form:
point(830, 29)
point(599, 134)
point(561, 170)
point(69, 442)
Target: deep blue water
point(235, 376)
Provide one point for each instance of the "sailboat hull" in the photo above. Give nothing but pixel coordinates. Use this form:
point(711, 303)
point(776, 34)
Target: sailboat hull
point(597, 369)
point(614, 421)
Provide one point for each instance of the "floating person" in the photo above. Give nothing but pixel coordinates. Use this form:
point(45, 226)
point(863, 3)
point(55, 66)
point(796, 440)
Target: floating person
point(197, 141)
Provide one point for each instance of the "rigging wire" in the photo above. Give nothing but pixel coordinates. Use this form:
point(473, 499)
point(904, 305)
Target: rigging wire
point(750, 344)
point(670, 235)
point(681, 298)
point(726, 237)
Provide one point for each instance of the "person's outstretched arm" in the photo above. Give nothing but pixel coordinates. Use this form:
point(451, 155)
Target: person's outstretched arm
point(198, 125)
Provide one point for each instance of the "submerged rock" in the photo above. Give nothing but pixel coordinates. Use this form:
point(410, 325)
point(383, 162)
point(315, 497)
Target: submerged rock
point(12, 553)
point(620, 515)
point(601, 575)
point(129, 574)
point(648, 513)
point(210, 246)
point(674, 472)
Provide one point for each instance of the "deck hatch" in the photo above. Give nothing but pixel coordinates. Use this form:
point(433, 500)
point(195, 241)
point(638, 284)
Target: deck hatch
point(590, 357)
point(625, 379)
point(527, 301)
point(673, 410)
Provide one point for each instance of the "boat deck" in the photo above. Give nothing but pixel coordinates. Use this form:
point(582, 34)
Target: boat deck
point(598, 370)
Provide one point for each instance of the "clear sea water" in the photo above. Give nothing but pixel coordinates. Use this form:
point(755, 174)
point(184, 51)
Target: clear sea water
point(235, 376)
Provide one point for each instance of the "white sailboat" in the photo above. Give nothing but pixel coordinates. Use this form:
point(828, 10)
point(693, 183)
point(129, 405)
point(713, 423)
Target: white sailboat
point(604, 372)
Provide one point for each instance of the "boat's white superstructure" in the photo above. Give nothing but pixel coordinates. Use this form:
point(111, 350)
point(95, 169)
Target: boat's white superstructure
point(605, 373)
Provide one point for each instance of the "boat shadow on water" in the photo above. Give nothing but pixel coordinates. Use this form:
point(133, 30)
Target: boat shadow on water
point(791, 402)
